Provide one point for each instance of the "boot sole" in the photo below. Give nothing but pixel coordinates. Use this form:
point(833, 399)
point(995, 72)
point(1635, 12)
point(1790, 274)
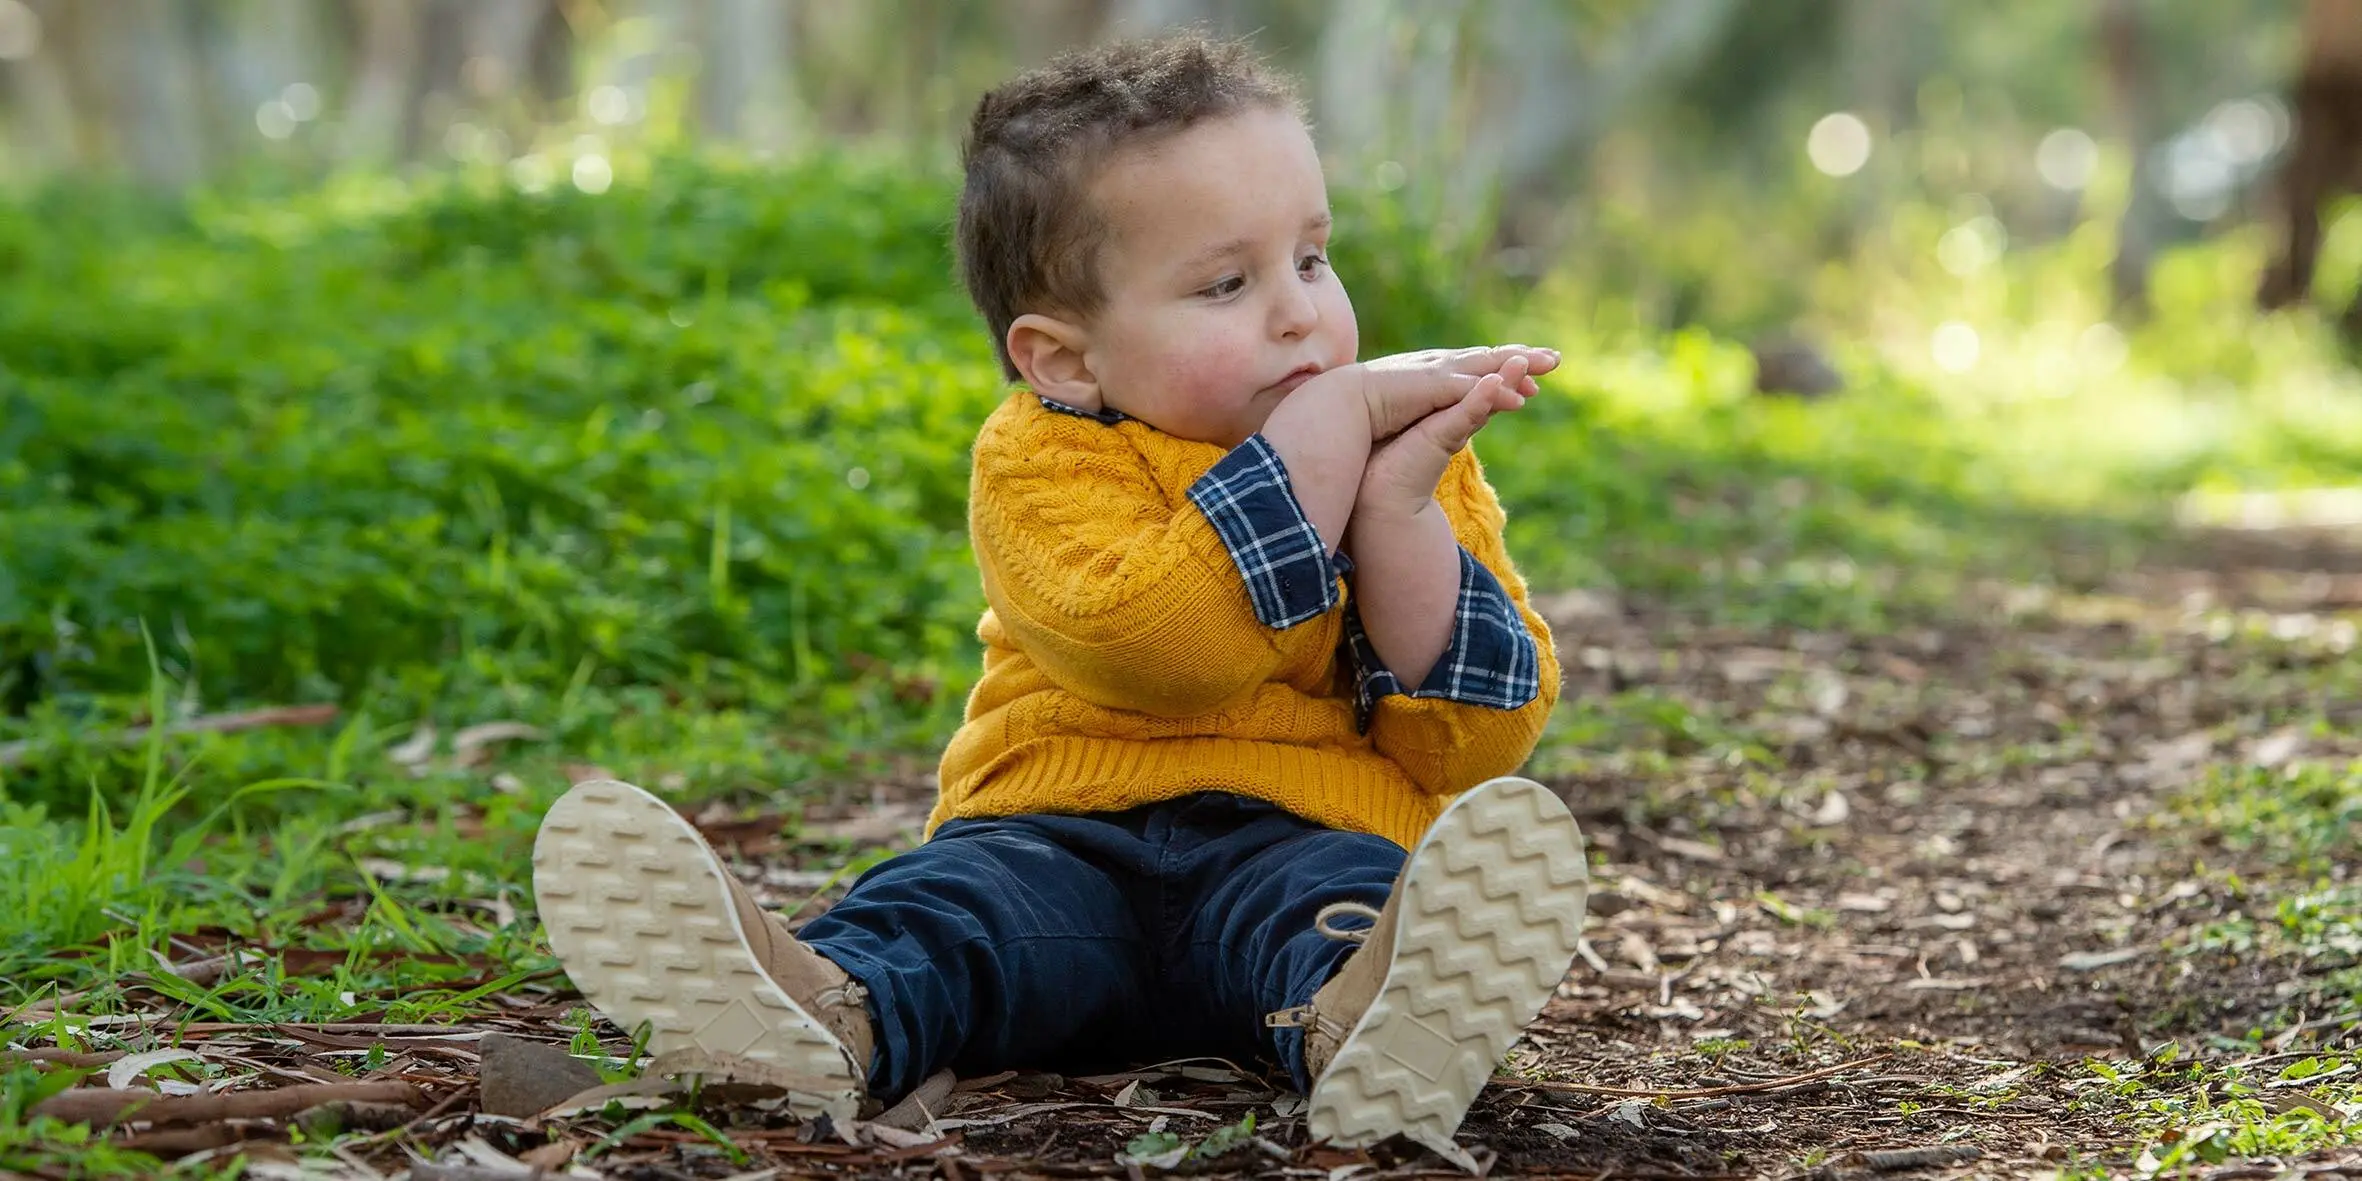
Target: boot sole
point(1492, 902)
point(638, 913)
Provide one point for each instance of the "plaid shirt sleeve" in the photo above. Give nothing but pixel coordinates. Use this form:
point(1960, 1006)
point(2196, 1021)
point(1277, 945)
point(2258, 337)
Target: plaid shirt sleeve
point(1253, 507)
point(1491, 660)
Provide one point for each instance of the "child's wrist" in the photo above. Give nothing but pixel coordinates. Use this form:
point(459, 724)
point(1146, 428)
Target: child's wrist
point(1385, 508)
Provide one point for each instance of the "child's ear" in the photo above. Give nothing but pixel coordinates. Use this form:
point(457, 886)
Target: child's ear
point(1050, 354)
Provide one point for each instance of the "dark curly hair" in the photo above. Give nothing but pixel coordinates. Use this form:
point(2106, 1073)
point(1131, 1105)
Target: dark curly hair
point(1028, 238)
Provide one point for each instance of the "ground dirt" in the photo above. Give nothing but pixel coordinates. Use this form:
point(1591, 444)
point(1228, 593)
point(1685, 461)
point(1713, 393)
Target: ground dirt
point(1865, 905)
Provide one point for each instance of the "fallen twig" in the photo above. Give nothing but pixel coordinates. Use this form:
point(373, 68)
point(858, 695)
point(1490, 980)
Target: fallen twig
point(13, 753)
point(91, 1105)
point(1895, 1160)
point(51, 1056)
point(1698, 1093)
point(172, 1142)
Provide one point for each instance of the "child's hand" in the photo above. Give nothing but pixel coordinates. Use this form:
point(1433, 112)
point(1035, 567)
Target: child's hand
point(1405, 388)
point(1401, 476)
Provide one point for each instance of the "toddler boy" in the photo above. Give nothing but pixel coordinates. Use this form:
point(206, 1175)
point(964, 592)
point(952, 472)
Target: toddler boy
point(1252, 636)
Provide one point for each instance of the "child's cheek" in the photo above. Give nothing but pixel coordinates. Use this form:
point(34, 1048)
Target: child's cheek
point(1212, 368)
point(1337, 320)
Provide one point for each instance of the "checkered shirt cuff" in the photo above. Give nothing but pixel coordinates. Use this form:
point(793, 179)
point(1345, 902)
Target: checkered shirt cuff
point(1491, 661)
point(1253, 507)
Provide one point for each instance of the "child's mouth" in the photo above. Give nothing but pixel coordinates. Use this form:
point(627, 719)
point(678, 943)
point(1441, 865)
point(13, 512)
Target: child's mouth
point(1288, 384)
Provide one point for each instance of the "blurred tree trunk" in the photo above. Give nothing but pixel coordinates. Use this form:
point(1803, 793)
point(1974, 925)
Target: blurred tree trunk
point(2132, 101)
point(148, 50)
point(1042, 27)
point(496, 40)
point(41, 94)
point(746, 91)
point(1352, 78)
point(495, 44)
point(1560, 114)
point(1147, 16)
point(253, 52)
point(1387, 73)
point(393, 45)
point(2325, 152)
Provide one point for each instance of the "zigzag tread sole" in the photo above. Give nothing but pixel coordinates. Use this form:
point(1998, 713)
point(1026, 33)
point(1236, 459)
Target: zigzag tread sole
point(1492, 903)
point(638, 914)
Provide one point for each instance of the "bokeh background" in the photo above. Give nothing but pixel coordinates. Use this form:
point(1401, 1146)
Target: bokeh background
point(596, 369)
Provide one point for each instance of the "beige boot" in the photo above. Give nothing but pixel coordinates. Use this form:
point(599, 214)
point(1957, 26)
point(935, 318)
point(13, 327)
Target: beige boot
point(1475, 937)
point(652, 927)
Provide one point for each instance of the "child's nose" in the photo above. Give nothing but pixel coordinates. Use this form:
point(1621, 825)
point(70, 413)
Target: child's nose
point(1296, 314)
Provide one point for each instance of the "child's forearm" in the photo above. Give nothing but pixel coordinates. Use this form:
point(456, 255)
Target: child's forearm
point(1322, 433)
point(1406, 579)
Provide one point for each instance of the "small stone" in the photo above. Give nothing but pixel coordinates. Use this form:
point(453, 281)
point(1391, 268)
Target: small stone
point(523, 1078)
point(1605, 903)
point(1787, 364)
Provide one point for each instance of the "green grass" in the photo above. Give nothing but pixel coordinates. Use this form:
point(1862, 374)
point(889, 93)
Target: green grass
point(675, 475)
point(2187, 1115)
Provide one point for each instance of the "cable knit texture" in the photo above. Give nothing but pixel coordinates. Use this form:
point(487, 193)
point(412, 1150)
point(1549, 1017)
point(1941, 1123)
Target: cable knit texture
point(1124, 663)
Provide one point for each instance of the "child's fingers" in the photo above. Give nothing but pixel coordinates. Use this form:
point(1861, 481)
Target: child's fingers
point(1516, 373)
point(1513, 378)
point(1480, 361)
point(1453, 430)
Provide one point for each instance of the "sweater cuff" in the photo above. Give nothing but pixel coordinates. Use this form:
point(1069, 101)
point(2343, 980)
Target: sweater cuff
point(1253, 507)
point(1491, 660)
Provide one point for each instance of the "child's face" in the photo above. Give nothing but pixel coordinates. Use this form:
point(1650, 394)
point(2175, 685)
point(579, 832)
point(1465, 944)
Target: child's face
point(1219, 298)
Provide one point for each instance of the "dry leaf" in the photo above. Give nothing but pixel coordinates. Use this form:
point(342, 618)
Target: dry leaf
point(2277, 748)
point(2180, 754)
point(1835, 809)
point(472, 745)
point(132, 1066)
point(416, 750)
point(2087, 961)
point(1692, 850)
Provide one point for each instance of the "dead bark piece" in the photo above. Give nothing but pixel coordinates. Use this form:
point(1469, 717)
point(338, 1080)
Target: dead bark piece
point(916, 1108)
point(176, 1142)
point(1895, 1160)
point(327, 1120)
point(522, 1078)
point(89, 1105)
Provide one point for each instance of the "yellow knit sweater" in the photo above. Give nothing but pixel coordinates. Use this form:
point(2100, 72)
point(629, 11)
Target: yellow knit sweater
point(1124, 663)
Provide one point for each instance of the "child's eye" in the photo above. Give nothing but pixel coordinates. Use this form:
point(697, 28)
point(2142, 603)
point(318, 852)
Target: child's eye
point(1313, 264)
point(1224, 288)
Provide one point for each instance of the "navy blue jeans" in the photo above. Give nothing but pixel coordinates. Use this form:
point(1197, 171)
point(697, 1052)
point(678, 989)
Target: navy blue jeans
point(1090, 943)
